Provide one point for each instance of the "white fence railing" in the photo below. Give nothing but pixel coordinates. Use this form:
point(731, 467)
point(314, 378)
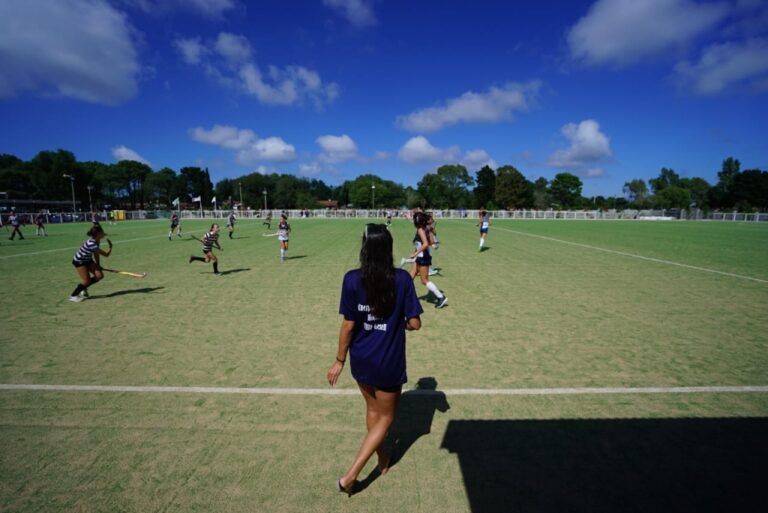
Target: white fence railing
point(28, 218)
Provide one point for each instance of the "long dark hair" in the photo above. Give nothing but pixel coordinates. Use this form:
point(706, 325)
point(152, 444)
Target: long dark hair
point(377, 271)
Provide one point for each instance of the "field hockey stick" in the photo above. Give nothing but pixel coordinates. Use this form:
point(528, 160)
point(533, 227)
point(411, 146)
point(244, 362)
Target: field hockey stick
point(269, 234)
point(125, 273)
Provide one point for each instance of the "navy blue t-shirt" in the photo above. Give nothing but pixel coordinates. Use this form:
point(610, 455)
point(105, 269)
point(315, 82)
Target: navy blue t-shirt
point(377, 351)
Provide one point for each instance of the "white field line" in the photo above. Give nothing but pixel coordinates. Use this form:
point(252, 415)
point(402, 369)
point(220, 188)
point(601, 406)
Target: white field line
point(347, 391)
point(75, 248)
point(632, 255)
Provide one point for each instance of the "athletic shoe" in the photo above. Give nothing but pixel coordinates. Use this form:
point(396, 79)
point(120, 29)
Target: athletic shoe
point(219, 274)
point(84, 294)
point(442, 302)
point(76, 299)
point(169, 237)
point(402, 262)
point(433, 272)
point(191, 259)
point(179, 235)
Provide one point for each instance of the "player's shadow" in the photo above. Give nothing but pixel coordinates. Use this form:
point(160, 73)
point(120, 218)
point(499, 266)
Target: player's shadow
point(295, 257)
point(485, 248)
point(430, 298)
point(626, 465)
point(415, 413)
point(145, 290)
point(233, 271)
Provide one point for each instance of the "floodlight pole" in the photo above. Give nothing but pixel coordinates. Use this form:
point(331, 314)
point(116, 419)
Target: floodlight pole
point(90, 200)
point(264, 192)
point(373, 196)
point(241, 194)
point(72, 184)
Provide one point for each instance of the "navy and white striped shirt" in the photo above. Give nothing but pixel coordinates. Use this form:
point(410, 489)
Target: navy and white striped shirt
point(208, 240)
point(84, 255)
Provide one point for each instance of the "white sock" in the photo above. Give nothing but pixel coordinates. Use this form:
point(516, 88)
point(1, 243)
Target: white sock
point(432, 287)
point(482, 242)
point(282, 253)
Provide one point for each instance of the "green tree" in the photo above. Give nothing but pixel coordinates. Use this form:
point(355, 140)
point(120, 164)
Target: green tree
point(388, 194)
point(637, 192)
point(721, 195)
point(511, 188)
point(699, 190)
point(541, 196)
point(666, 178)
point(566, 190)
point(447, 188)
point(161, 184)
point(673, 197)
point(485, 188)
point(750, 189)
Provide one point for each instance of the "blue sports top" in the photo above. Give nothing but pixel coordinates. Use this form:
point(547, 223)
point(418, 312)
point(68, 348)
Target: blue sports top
point(377, 351)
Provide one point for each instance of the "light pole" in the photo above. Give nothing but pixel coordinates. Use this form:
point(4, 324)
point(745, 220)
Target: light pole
point(373, 196)
point(90, 201)
point(241, 194)
point(72, 183)
point(264, 192)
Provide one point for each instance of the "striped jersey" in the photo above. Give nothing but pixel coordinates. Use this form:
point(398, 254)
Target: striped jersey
point(232, 218)
point(84, 255)
point(208, 240)
point(282, 230)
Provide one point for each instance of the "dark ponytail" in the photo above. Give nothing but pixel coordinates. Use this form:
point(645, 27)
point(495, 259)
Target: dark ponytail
point(377, 271)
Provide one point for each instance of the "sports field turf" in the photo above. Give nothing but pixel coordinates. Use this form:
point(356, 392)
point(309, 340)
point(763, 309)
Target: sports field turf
point(549, 305)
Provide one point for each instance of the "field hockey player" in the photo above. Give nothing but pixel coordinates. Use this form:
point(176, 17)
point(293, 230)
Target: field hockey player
point(209, 240)
point(86, 262)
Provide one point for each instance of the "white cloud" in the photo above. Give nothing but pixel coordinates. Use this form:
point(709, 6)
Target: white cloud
point(477, 159)
point(595, 172)
point(337, 148)
point(722, 65)
point(191, 50)
point(250, 148)
point(311, 169)
point(588, 145)
point(210, 8)
point(40, 51)
point(228, 59)
point(228, 137)
point(123, 153)
point(495, 105)
point(233, 48)
point(358, 12)
point(621, 32)
point(381, 155)
point(419, 149)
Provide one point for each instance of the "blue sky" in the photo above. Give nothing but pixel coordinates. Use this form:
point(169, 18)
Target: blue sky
point(609, 90)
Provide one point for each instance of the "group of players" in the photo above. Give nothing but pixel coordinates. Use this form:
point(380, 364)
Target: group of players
point(87, 258)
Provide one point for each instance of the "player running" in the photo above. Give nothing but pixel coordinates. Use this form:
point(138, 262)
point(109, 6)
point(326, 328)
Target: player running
point(268, 220)
point(484, 223)
point(231, 223)
point(209, 240)
point(175, 226)
point(423, 258)
point(87, 262)
point(283, 231)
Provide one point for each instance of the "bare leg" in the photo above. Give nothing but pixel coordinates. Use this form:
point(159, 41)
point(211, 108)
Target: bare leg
point(380, 414)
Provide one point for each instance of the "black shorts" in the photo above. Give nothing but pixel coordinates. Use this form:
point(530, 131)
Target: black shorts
point(82, 264)
point(207, 251)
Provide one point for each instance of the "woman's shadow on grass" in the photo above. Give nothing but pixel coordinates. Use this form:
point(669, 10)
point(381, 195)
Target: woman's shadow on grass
point(415, 413)
point(145, 290)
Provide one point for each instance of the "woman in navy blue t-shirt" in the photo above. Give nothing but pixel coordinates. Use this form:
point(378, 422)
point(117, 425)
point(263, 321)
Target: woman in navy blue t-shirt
point(378, 303)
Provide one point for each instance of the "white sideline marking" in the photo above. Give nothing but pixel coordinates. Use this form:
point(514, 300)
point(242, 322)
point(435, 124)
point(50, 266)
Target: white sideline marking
point(75, 249)
point(347, 391)
point(622, 253)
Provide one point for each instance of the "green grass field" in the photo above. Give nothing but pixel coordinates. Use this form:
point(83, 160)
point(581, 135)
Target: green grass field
point(549, 304)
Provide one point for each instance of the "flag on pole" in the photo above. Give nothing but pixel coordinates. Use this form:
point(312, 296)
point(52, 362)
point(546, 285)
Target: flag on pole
point(213, 200)
point(175, 202)
point(195, 198)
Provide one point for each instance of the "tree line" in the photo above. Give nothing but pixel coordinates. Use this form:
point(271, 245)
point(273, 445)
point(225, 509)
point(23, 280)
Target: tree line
point(131, 185)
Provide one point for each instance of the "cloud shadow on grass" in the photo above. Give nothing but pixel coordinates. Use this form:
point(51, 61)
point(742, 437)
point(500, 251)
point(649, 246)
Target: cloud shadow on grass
point(702, 465)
